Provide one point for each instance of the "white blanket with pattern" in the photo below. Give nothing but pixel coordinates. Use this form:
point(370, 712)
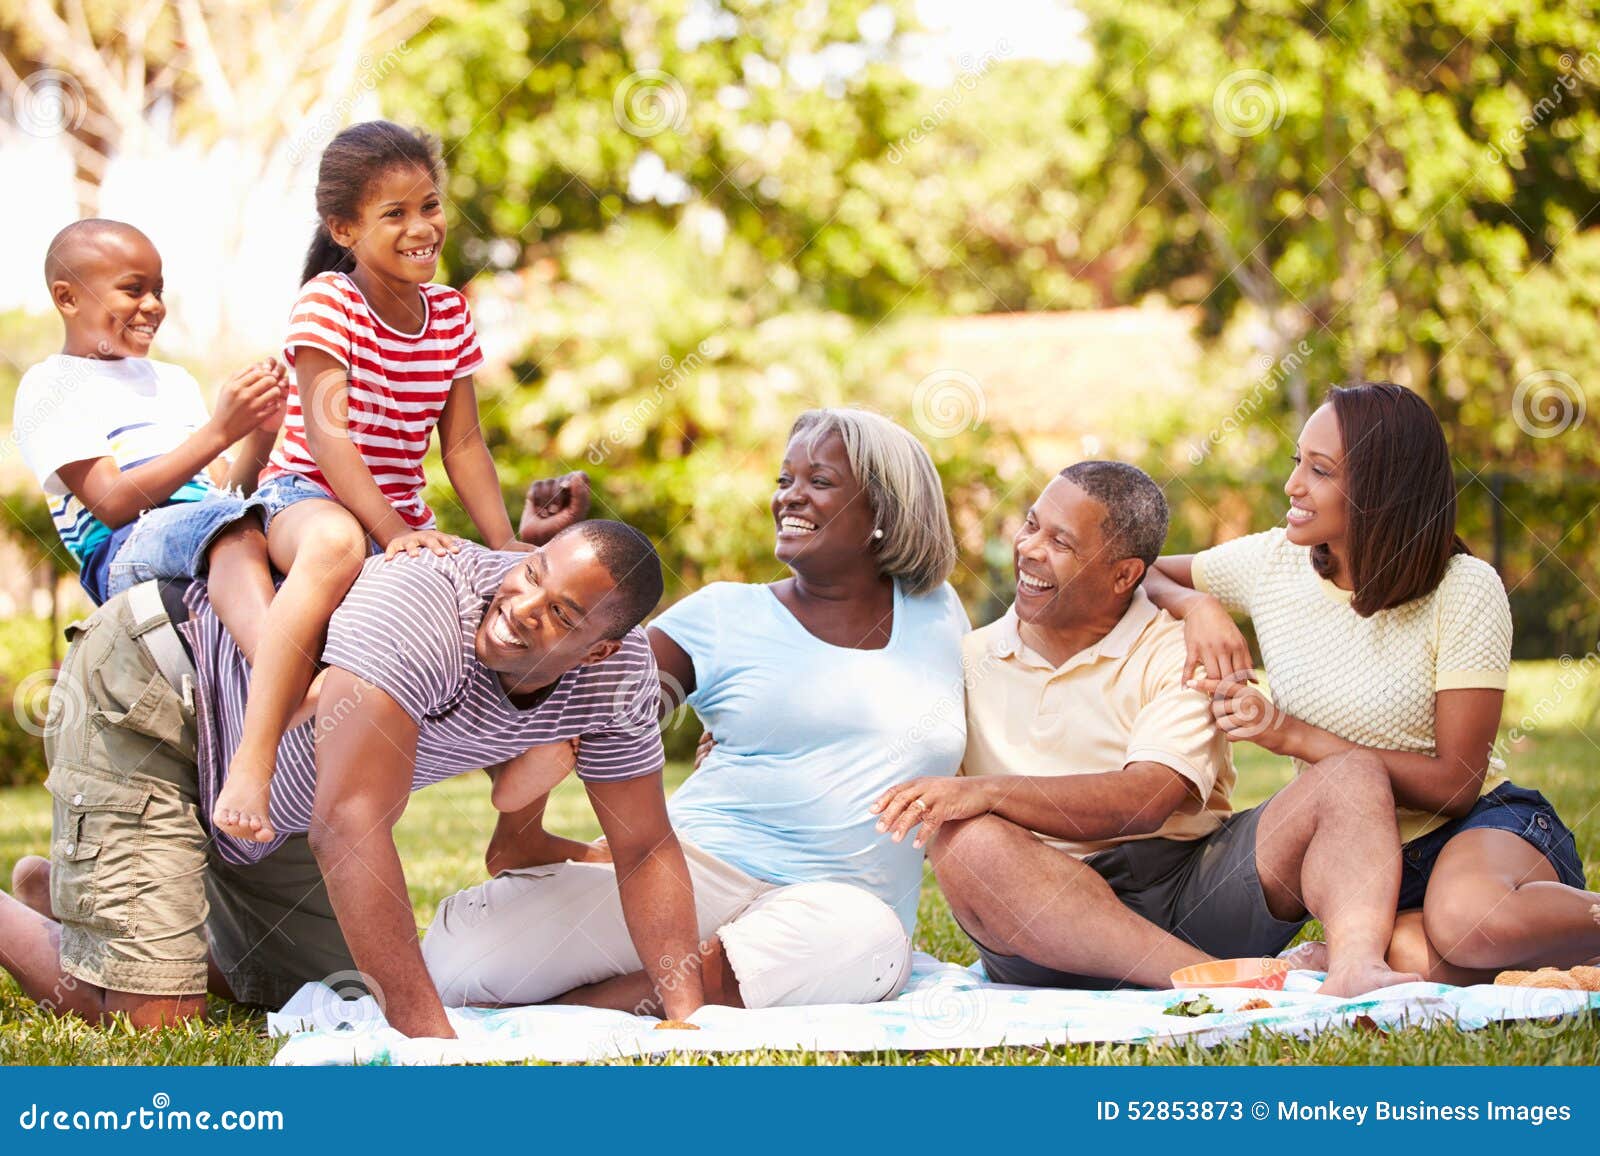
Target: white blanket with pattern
point(944, 1006)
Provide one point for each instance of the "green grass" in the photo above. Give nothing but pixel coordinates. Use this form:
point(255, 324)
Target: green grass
point(443, 834)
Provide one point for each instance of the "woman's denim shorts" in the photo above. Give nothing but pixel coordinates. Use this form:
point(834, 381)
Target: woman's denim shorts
point(1508, 807)
point(172, 542)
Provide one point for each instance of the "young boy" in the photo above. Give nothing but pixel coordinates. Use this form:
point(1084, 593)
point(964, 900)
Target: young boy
point(131, 462)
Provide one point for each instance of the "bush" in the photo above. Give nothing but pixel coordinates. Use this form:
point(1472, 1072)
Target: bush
point(24, 683)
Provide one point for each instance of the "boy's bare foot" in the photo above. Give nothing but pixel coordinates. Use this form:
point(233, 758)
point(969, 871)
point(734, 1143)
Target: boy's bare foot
point(243, 805)
point(1362, 978)
point(1312, 955)
point(30, 884)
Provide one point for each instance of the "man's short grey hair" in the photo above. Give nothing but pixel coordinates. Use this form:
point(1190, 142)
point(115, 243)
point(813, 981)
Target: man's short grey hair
point(1135, 524)
point(903, 491)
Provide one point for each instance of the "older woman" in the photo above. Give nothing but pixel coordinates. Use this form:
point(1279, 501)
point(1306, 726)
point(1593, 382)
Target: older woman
point(823, 690)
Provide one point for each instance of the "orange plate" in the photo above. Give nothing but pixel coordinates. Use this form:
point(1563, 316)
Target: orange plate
point(1262, 973)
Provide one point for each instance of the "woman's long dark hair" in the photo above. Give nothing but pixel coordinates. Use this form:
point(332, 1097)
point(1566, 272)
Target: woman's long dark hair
point(1401, 490)
point(351, 162)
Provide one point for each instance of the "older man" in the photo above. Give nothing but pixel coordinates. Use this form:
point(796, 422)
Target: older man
point(436, 666)
point(1089, 841)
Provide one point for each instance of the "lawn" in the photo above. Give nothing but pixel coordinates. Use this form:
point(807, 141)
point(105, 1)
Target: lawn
point(443, 834)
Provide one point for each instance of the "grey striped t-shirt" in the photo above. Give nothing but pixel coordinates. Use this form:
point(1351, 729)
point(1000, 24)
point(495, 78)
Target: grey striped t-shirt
point(407, 628)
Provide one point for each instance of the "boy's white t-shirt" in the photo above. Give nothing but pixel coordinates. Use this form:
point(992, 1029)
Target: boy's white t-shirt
point(71, 409)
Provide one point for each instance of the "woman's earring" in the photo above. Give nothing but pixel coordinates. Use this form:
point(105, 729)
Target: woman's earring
point(877, 533)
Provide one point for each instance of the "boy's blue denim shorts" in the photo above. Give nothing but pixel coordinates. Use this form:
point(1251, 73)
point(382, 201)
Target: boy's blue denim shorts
point(1523, 812)
point(284, 490)
point(172, 542)
point(280, 492)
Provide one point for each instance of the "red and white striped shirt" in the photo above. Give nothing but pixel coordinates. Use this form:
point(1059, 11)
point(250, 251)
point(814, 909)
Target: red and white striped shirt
point(398, 383)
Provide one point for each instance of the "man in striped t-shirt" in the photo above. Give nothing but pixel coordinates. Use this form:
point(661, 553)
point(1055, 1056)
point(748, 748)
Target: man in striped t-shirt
point(435, 666)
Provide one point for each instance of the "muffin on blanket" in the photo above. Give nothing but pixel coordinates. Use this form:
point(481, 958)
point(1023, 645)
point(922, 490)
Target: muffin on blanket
point(1577, 979)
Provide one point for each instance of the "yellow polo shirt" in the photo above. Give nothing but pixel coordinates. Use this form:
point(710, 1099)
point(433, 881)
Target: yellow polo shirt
point(1372, 681)
point(1121, 701)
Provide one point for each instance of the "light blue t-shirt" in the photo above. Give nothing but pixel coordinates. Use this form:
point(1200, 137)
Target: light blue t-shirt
point(810, 734)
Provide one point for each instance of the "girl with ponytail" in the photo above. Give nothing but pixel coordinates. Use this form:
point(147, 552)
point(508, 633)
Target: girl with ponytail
point(380, 356)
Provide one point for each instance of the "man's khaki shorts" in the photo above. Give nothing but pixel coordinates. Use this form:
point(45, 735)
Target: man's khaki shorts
point(529, 935)
point(134, 879)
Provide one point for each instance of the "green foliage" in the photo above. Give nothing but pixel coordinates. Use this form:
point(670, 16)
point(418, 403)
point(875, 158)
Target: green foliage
point(27, 338)
point(24, 692)
point(1406, 188)
point(678, 402)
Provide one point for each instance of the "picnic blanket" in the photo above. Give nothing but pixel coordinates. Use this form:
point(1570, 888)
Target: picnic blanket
point(943, 1006)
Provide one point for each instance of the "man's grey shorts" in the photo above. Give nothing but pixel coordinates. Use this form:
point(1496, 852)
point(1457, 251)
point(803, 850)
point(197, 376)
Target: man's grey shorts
point(1204, 891)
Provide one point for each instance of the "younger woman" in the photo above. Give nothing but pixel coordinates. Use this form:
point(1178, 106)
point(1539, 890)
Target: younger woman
point(1382, 634)
point(380, 356)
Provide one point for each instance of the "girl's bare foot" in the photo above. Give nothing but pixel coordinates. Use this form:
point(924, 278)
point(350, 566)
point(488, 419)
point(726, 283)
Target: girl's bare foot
point(1359, 979)
point(30, 884)
point(244, 803)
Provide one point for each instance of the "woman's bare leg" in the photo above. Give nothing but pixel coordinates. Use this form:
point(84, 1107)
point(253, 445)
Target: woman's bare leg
point(320, 547)
point(635, 993)
point(1494, 902)
point(1410, 950)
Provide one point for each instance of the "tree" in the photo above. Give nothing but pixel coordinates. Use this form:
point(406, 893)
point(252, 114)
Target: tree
point(260, 84)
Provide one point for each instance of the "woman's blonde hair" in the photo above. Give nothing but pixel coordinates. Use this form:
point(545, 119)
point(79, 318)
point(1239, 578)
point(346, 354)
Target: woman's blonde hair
point(904, 494)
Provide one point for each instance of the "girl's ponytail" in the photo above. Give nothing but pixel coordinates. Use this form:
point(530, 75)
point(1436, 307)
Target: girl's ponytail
point(351, 162)
point(325, 256)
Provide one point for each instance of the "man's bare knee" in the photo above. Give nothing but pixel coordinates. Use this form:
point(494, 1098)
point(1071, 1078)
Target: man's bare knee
point(30, 883)
point(1352, 780)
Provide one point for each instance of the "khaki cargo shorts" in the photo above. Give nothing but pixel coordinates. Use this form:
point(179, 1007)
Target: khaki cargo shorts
point(134, 878)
